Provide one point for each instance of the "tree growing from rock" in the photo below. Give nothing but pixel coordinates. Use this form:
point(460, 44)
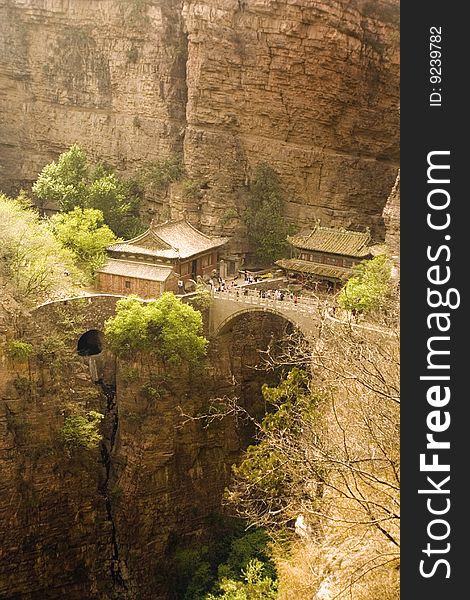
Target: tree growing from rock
point(72, 181)
point(33, 264)
point(166, 329)
point(369, 287)
point(83, 232)
point(266, 227)
point(328, 458)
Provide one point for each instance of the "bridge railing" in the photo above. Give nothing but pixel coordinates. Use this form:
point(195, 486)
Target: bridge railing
point(257, 298)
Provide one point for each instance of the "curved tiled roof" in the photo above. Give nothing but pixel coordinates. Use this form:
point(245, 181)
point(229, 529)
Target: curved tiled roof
point(312, 268)
point(172, 239)
point(138, 270)
point(334, 241)
point(129, 248)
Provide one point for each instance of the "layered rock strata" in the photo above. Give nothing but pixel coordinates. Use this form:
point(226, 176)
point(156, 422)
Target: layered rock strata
point(312, 88)
point(103, 523)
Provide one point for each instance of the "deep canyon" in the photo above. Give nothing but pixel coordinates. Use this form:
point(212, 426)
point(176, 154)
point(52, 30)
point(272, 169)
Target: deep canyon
point(312, 89)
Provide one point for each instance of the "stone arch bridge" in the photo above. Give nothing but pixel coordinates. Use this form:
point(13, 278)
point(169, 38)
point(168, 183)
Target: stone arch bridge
point(303, 313)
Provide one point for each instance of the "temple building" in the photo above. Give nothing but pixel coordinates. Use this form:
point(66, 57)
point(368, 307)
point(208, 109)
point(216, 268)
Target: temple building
point(325, 256)
point(166, 257)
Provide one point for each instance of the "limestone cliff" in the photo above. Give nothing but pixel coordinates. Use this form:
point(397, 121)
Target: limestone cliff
point(102, 523)
point(311, 88)
point(391, 217)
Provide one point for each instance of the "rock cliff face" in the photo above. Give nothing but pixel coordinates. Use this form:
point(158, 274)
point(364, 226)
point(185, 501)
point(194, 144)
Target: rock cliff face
point(391, 217)
point(309, 87)
point(103, 523)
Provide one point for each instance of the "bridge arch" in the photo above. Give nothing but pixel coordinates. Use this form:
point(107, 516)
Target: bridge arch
point(224, 325)
point(303, 315)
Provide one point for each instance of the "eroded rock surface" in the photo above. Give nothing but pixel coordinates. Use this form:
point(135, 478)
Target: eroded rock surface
point(312, 88)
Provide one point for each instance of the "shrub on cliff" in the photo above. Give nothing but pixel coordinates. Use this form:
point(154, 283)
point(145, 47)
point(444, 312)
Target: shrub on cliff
point(83, 232)
point(367, 290)
point(328, 460)
point(164, 328)
point(33, 264)
point(71, 181)
point(256, 585)
point(160, 173)
point(18, 351)
point(81, 431)
point(266, 227)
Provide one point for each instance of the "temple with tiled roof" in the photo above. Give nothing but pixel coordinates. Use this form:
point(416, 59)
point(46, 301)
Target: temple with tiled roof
point(326, 255)
point(163, 258)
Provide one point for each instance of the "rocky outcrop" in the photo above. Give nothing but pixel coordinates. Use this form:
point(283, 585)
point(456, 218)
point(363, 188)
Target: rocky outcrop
point(391, 215)
point(311, 88)
point(103, 523)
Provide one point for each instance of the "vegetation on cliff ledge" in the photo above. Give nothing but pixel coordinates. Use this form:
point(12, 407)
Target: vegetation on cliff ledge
point(327, 459)
point(166, 329)
point(369, 288)
point(84, 233)
point(33, 263)
point(267, 230)
point(72, 181)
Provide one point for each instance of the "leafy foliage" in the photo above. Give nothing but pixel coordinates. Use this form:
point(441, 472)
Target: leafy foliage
point(164, 328)
point(202, 300)
point(84, 233)
point(194, 572)
point(81, 431)
point(328, 459)
point(18, 351)
point(33, 264)
point(263, 484)
point(160, 173)
point(191, 189)
point(267, 229)
point(255, 585)
point(64, 182)
point(71, 182)
point(199, 570)
point(367, 290)
point(252, 544)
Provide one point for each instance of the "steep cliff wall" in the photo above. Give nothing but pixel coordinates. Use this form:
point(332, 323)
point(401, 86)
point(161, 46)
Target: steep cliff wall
point(102, 523)
point(391, 217)
point(309, 87)
point(109, 74)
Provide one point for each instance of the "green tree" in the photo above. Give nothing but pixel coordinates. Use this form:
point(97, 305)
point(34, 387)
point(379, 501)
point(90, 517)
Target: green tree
point(368, 289)
point(82, 431)
point(117, 200)
point(64, 182)
point(264, 487)
point(83, 232)
point(18, 351)
point(256, 585)
point(160, 173)
point(165, 328)
point(267, 229)
point(72, 181)
point(33, 264)
point(251, 544)
point(330, 453)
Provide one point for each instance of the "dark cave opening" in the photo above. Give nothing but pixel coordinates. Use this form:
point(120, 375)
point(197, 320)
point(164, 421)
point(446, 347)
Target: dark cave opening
point(90, 343)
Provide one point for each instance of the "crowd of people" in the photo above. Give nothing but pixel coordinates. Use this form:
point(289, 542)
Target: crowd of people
point(220, 285)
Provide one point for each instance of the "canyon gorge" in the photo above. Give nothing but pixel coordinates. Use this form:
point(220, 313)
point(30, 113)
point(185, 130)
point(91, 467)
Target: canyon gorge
point(309, 87)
